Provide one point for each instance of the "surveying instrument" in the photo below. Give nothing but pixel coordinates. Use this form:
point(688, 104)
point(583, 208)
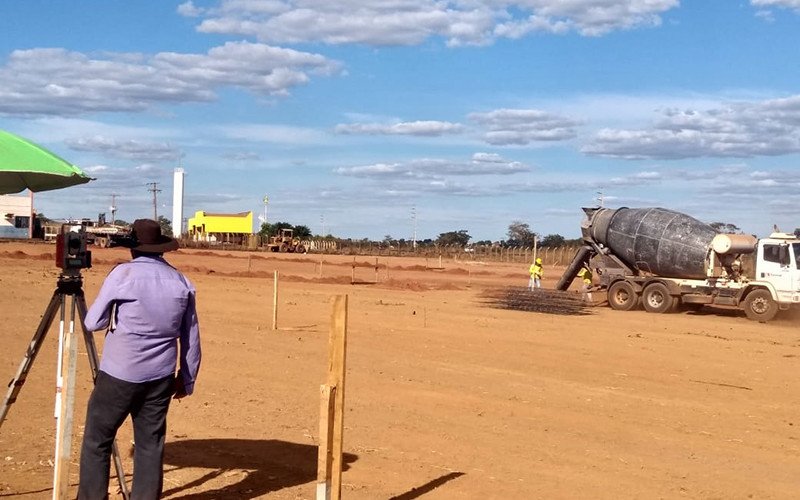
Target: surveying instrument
point(71, 257)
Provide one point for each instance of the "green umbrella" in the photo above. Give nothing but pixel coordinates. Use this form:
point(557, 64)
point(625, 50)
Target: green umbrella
point(24, 165)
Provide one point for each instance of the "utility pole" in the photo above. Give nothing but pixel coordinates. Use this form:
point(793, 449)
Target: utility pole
point(113, 208)
point(414, 222)
point(154, 189)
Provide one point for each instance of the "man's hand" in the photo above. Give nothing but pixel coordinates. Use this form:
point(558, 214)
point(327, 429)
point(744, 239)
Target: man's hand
point(179, 388)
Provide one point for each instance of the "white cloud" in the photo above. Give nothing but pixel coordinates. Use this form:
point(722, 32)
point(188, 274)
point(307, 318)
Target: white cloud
point(59, 82)
point(189, 9)
point(423, 128)
point(787, 4)
point(411, 22)
point(740, 129)
point(129, 149)
point(242, 156)
point(524, 126)
point(274, 134)
point(437, 169)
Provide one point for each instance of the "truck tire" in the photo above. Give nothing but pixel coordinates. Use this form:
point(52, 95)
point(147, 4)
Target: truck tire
point(656, 299)
point(622, 296)
point(759, 306)
point(283, 248)
point(301, 249)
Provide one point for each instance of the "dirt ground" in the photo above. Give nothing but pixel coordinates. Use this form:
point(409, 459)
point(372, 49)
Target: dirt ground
point(447, 396)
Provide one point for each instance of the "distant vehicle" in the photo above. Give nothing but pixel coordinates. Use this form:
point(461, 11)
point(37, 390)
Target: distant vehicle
point(285, 242)
point(101, 233)
point(669, 259)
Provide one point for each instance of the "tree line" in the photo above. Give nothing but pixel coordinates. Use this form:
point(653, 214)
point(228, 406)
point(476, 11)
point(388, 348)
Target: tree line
point(519, 234)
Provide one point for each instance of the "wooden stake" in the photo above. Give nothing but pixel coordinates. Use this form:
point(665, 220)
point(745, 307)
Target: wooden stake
point(248, 262)
point(353, 272)
point(325, 458)
point(337, 349)
point(275, 301)
point(65, 413)
point(376, 269)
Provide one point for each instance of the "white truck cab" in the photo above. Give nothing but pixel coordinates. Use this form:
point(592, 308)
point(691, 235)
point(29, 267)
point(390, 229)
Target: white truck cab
point(778, 264)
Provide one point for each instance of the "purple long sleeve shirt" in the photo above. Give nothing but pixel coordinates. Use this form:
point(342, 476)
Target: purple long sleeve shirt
point(154, 318)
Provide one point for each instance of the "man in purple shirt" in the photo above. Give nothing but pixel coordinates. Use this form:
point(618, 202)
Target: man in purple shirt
point(149, 309)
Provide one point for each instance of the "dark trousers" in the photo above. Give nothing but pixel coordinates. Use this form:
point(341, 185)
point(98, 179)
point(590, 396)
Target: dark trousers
point(110, 403)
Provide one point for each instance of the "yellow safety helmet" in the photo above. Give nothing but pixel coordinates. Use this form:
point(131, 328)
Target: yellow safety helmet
point(538, 260)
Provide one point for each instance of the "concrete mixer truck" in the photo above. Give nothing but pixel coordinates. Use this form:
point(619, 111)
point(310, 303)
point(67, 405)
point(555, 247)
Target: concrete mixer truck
point(664, 260)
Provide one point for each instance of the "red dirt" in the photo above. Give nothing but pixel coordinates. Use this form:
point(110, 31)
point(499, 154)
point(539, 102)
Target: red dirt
point(447, 395)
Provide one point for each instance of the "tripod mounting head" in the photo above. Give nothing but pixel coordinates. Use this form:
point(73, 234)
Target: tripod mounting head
point(71, 252)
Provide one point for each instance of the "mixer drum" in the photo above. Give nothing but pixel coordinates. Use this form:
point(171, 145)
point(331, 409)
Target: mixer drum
point(655, 240)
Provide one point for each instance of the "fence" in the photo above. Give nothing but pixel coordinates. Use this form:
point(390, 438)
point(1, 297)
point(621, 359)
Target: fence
point(553, 256)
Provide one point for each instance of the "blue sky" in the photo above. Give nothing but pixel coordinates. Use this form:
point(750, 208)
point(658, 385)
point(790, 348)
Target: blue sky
point(374, 118)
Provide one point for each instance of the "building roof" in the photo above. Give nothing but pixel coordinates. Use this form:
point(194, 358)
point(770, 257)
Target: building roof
point(240, 214)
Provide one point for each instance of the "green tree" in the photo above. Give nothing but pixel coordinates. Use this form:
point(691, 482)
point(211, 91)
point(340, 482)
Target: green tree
point(520, 234)
point(725, 227)
point(460, 237)
point(268, 230)
point(302, 232)
point(552, 241)
point(166, 225)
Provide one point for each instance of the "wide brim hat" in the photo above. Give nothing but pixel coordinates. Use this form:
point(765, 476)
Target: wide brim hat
point(146, 237)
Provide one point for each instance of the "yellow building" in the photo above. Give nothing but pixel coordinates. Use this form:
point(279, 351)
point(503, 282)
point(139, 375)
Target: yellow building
point(231, 228)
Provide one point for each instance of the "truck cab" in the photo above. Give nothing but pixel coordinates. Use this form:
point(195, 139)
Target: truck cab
point(778, 264)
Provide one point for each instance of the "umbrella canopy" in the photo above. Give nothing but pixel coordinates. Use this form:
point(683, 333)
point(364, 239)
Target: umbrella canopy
point(24, 165)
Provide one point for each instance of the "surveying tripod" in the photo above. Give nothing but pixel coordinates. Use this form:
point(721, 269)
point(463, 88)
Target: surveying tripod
point(69, 284)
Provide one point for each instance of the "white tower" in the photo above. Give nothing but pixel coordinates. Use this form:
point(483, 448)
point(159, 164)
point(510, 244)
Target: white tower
point(177, 203)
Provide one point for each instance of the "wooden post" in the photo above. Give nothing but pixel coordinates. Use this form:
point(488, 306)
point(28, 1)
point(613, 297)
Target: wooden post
point(249, 258)
point(275, 301)
point(376, 269)
point(327, 413)
point(320, 264)
point(440, 261)
point(353, 272)
point(337, 350)
point(65, 407)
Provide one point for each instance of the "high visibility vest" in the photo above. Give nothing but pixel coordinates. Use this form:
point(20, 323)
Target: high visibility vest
point(586, 275)
point(536, 271)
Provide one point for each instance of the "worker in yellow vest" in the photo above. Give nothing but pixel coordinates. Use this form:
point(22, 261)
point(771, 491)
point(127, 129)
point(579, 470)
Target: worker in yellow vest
point(585, 274)
point(537, 272)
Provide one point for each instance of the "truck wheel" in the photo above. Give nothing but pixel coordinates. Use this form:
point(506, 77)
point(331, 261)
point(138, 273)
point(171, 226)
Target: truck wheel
point(622, 296)
point(656, 299)
point(759, 306)
point(301, 249)
point(283, 248)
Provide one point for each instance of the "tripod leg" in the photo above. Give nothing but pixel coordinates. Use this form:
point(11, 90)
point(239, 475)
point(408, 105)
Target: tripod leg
point(30, 355)
point(91, 351)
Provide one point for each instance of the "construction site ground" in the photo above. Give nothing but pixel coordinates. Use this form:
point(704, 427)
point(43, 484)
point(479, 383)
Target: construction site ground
point(457, 387)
